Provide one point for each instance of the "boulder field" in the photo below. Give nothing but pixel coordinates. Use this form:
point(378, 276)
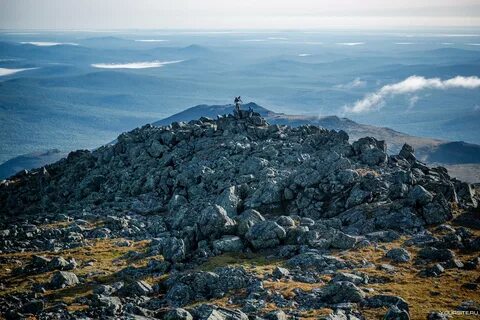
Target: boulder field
point(190, 193)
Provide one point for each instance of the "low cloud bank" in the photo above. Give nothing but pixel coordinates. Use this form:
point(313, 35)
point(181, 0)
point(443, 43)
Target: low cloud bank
point(7, 72)
point(151, 40)
point(355, 83)
point(134, 65)
point(376, 100)
point(351, 43)
point(49, 44)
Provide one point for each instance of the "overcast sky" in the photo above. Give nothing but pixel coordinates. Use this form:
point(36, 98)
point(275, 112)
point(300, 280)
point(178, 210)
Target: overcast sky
point(236, 14)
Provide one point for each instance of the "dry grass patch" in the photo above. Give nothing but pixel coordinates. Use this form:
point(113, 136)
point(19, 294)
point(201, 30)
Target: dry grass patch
point(105, 254)
point(423, 295)
point(287, 288)
point(255, 263)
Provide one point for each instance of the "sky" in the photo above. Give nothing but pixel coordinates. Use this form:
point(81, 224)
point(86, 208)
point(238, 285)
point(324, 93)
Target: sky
point(236, 14)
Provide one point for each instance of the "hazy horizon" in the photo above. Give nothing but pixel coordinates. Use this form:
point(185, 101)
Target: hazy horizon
point(249, 14)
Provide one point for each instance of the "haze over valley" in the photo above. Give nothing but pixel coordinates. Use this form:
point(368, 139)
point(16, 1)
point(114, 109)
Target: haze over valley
point(72, 90)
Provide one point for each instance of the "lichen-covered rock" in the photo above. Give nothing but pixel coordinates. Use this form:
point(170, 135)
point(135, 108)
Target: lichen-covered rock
point(228, 244)
point(398, 255)
point(178, 314)
point(247, 219)
point(265, 234)
point(371, 151)
point(63, 279)
point(340, 292)
point(215, 222)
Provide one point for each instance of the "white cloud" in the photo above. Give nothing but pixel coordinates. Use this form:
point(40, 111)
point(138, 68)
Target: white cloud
point(304, 54)
point(404, 43)
point(252, 40)
point(473, 44)
point(412, 101)
point(355, 83)
point(7, 72)
point(134, 65)
point(376, 100)
point(151, 40)
point(351, 43)
point(49, 44)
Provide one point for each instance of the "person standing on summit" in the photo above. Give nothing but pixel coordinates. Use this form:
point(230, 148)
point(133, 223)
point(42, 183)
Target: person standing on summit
point(238, 101)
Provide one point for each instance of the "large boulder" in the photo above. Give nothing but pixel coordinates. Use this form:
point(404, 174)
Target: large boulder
point(62, 279)
point(341, 292)
point(136, 288)
point(215, 222)
point(314, 260)
point(438, 211)
point(247, 219)
point(371, 151)
point(398, 255)
point(265, 234)
point(177, 314)
point(173, 249)
point(407, 153)
point(418, 195)
point(212, 312)
point(230, 201)
point(228, 244)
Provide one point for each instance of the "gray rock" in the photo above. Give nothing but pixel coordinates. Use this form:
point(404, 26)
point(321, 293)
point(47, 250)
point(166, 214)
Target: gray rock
point(276, 315)
point(434, 315)
point(136, 288)
point(39, 262)
point(280, 272)
point(109, 305)
point(343, 241)
point(340, 292)
point(344, 276)
point(418, 195)
point(265, 234)
point(398, 255)
point(230, 201)
point(313, 260)
point(63, 279)
point(407, 153)
point(434, 254)
point(371, 151)
point(179, 295)
point(178, 314)
point(212, 312)
point(228, 244)
point(380, 301)
point(33, 307)
point(438, 211)
point(433, 271)
point(214, 222)
point(59, 263)
point(247, 219)
point(156, 149)
point(173, 249)
point(285, 222)
point(394, 313)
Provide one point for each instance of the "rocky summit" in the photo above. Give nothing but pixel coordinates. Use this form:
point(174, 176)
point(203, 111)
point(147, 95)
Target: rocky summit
point(233, 218)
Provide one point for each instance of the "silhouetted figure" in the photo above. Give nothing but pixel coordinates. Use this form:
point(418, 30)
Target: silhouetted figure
point(250, 111)
point(238, 101)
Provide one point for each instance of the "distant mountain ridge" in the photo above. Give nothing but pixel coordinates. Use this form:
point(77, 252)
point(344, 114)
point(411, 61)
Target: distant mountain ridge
point(434, 151)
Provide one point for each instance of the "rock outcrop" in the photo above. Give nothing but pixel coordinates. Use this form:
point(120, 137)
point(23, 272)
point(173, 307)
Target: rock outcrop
point(239, 186)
